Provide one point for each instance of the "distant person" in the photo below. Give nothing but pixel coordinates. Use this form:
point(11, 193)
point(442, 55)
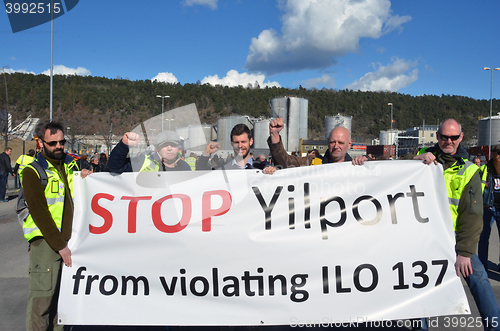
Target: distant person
point(191, 160)
point(318, 159)
point(490, 175)
point(97, 165)
point(23, 161)
point(103, 158)
point(83, 162)
point(260, 162)
point(476, 160)
point(5, 170)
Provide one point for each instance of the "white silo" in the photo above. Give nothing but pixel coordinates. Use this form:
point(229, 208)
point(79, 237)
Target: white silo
point(199, 136)
point(183, 132)
point(294, 112)
point(224, 127)
point(260, 134)
point(331, 122)
point(483, 131)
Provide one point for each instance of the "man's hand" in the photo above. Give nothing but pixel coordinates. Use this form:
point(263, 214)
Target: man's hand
point(212, 147)
point(428, 158)
point(463, 266)
point(359, 160)
point(130, 139)
point(275, 126)
point(269, 170)
point(85, 172)
point(66, 256)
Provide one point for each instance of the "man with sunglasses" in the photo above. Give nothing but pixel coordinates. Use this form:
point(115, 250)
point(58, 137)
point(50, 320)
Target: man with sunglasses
point(466, 205)
point(49, 224)
point(165, 158)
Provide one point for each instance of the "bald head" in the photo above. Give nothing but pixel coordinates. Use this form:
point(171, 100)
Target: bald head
point(339, 143)
point(449, 136)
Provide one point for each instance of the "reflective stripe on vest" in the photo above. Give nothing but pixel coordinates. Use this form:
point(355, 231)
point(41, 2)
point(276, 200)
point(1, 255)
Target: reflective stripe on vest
point(192, 162)
point(456, 178)
point(23, 161)
point(54, 193)
point(149, 165)
point(483, 170)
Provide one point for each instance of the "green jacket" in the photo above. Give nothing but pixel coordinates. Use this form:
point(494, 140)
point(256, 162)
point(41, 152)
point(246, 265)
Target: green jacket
point(51, 209)
point(463, 185)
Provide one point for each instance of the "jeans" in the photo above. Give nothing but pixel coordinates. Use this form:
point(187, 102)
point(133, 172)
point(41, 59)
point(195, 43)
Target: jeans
point(3, 185)
point(482, 292)
point(489, 217)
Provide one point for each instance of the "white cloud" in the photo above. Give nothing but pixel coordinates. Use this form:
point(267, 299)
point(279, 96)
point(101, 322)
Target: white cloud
point(209, 3)
point(233, 78)
point(12, 71)
point(325, 80)
point(165, 77)
point(314, 33)
point(63, 70)
point(392, 77)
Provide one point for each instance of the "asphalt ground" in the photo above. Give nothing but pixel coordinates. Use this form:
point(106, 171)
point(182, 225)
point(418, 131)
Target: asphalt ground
point(14, 287)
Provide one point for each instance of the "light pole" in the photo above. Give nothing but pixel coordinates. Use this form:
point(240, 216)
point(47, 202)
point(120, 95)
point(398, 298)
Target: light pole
point(169, 120)
point(392, 138)
point(491, 106)
point(162, 106)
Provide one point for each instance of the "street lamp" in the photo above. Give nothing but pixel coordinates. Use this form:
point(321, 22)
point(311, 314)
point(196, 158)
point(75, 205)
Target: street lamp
point(162, 106)
point(169, 120)
point(491, 106)
point(392, 138)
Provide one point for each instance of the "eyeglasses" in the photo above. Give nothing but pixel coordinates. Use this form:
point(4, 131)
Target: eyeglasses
point(54, 143)
point(444, 137)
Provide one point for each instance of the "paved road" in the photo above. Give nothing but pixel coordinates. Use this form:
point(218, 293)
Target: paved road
point(14, 282)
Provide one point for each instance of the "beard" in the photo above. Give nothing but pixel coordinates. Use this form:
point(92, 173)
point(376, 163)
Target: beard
point(57, 154)
point(243, 155)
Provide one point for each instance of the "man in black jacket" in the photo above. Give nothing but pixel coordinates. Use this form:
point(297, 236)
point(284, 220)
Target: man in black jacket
point(165, 158)
point(5, 170)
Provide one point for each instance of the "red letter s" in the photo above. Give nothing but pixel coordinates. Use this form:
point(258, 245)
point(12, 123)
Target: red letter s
point(104, 213)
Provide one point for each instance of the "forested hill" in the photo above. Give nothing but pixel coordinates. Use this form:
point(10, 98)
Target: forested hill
point(92, 104)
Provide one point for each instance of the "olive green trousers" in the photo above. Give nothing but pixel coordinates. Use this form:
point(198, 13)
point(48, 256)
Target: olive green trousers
point(44, 281)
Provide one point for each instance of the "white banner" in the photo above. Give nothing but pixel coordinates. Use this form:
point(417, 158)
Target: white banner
point(322, 244)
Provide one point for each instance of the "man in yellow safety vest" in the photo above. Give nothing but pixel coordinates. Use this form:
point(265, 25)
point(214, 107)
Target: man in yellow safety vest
point(463, 185)
point(48, 226)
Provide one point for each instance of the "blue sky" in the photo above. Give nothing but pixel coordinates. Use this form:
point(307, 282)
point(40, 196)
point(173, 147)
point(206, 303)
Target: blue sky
point(411, 47)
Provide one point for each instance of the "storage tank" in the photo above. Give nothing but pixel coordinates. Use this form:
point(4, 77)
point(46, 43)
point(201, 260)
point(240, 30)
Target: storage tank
point(199, 136)
point(279, 108)
point(483, 131)
point(388, 137)
point(183, 132)
point(294, 112)
point(331, 122)
point(260, 134)
point(224, 127)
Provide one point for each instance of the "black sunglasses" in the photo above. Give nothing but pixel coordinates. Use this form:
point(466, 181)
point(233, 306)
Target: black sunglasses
point(445, 137)
point(54, 143)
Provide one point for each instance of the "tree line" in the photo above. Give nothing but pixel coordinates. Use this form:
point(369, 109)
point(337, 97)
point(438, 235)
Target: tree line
point(94, 105)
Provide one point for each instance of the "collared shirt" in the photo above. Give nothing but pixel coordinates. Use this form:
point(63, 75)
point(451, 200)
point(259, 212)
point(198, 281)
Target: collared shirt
point(248, 165)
